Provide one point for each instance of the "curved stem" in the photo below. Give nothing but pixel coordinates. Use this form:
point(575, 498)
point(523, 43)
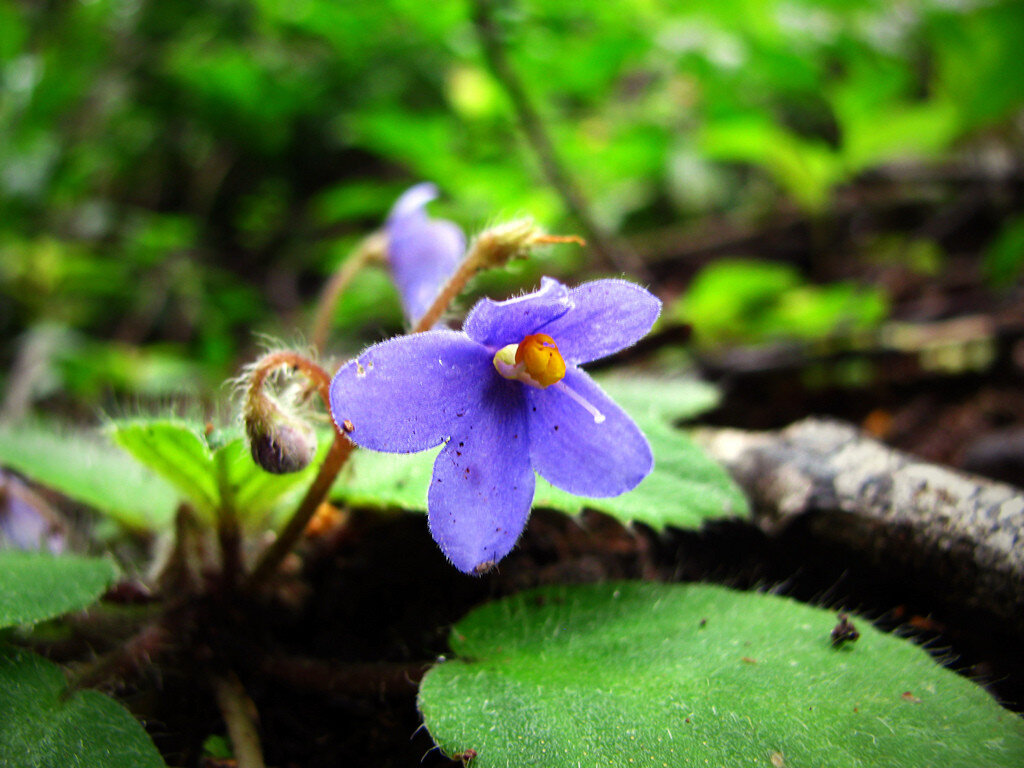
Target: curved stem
point(271, 362)
point(272, 556)
point(469, 267)
point(372, 247)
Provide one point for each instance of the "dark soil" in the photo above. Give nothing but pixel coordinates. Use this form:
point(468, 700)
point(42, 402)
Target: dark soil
point(332, 663)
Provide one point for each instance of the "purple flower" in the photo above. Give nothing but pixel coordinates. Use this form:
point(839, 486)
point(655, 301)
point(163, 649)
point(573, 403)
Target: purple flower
point(506, 397)
point(423, 252)
point(25, 522)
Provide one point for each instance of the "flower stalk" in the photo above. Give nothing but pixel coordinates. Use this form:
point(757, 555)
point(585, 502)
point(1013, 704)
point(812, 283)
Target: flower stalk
point(372, 248)
point(494, 247)
point(341, 448)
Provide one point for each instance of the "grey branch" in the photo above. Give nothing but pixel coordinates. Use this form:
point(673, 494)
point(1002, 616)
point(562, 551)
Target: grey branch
point(964, 534)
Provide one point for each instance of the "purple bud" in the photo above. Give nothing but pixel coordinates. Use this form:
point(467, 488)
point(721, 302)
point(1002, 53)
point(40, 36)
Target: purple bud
point(280, 442)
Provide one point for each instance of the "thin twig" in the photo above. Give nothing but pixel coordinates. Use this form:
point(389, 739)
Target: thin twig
point(240, 717)
point(617, 255)
point(370, 248)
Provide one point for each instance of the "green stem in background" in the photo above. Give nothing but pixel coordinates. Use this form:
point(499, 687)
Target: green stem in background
point(240, 717)
point(616, 255)
point(371, 248)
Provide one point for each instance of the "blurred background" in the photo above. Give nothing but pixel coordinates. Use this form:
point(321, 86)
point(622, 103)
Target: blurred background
point(828, 194)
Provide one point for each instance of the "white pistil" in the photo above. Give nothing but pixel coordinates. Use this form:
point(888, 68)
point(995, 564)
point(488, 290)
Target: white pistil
point(598, 416)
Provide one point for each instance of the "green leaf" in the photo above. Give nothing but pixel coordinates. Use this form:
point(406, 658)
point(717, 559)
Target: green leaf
point(35, 586)
point(660, 398)
point(178, 454)
point(84, 466)
point(685, 488)
point(1004, 257)
point(42, 729)
point(670, 675)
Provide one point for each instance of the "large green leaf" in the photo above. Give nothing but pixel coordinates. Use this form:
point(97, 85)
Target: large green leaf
point(672, 675)
point(84, 466)
point(177, 453)
point(685, 488)
point(40, 728)
point(35, 586)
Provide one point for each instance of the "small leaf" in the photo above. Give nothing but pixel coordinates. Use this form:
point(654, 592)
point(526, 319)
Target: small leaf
point(35, 586)
point(700, 675)
point(178, 454)
point(43, 730)
point(84, 466)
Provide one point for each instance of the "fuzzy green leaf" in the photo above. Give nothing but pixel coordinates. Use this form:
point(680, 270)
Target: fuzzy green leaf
point(84, 466)
point(41, 729)
point(670, 675)
point(35, 586)
point(178, 454)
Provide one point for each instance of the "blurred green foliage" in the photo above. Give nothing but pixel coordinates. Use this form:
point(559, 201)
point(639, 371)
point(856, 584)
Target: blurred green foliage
point(737, 301)
point(186, 174)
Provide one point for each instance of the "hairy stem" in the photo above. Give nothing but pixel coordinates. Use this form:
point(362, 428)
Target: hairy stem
point(271, 558)
point(240, 717)
point(371, 248)
point(615, 255)
point(270, 363)
point(470, 266)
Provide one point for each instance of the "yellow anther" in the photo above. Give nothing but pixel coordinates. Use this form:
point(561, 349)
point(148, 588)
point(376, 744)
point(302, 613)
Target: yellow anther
point(539, 356)
point(534, 361)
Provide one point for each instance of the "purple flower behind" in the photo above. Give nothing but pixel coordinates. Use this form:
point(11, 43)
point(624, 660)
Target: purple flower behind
point(25, 523)
point(423, 252)
point(506, 398)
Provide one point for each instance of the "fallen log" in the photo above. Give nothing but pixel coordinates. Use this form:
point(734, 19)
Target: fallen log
point(961, 533)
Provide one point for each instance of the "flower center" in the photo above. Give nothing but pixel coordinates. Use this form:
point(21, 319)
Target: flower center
point(534, 361)
point(537, 362)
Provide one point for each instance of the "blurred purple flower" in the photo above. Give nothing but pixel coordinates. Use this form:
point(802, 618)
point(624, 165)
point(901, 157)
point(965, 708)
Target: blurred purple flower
point(423, 252)
point(25, 520)
point(506, 397)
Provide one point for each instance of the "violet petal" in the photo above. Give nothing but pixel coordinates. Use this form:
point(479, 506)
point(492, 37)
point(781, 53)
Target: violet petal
point(423, 252)
point(607, 315)
point(498, 323)
point(410, 393)
point(575, 453)
point(482, 487)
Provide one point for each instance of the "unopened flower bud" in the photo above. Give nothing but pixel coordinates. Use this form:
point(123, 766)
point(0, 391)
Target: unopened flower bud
point(280, 442)
point(498, 245)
